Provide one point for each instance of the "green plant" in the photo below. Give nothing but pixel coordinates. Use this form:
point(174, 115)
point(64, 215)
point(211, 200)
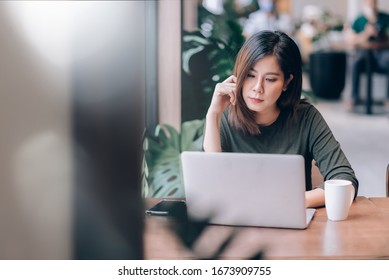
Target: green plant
point(162, 163)
point(205, 62)
point(208, 58)
point(145, 172)
point(329, 22)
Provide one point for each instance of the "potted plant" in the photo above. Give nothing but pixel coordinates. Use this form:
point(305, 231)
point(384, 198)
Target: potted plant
point(162, 173)
point(208, 56)
point(205, 62)
point(322, 32)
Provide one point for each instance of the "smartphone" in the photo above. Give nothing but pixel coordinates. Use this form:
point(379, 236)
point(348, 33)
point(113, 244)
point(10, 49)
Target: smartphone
point(165, 206)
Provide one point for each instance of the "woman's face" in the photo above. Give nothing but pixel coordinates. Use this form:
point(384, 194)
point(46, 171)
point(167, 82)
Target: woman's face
point(263, 86)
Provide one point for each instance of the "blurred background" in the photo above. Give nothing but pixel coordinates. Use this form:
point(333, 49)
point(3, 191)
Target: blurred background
point(211, 33)
point(85, 85)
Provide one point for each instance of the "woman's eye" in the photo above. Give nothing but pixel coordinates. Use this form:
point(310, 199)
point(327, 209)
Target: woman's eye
point(250, 75)
point(271, 80)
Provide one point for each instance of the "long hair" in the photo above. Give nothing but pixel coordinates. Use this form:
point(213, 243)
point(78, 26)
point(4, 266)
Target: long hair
point(287, 53)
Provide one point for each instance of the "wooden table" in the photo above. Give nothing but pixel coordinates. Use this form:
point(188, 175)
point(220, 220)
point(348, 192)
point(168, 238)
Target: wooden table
point(364, 235)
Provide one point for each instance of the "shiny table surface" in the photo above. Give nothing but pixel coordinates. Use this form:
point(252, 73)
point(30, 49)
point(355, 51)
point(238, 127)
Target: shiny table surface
point(364, 235)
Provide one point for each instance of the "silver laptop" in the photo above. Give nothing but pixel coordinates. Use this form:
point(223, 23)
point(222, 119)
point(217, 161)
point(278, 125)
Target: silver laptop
point(265, 190)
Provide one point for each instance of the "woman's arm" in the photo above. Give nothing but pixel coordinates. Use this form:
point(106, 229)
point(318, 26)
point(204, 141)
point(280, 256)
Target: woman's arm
point(223, 96)
point(331, 160)
point(314, 198)
point(212, 133)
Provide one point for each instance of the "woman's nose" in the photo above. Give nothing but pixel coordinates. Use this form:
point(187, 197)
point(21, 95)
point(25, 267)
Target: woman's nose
point(258, 86)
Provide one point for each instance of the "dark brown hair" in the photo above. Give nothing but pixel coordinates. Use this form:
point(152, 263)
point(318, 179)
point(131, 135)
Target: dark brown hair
point(288, 55)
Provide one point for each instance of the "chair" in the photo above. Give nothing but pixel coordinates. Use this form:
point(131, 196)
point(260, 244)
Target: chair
point(371, 68)
point(387, 181)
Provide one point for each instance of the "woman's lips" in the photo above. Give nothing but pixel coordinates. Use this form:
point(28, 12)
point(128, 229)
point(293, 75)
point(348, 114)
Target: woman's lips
point(255, 100)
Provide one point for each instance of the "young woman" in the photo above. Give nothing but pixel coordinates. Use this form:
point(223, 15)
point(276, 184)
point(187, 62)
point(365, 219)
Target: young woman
point(259, 110)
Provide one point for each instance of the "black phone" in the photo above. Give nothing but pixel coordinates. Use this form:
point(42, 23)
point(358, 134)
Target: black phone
point(165, 206)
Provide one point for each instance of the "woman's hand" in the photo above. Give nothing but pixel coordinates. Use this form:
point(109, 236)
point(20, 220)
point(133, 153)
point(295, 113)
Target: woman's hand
point(314, 198)
point(223, 96)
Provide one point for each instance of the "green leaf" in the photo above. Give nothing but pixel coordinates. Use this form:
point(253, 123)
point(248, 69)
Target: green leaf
point(196, 38)
point(187, 55)
point(145, 187)
point(163, 158)
point(166, 175)
point(160, 134)
point(145, 175)
point(190, 132)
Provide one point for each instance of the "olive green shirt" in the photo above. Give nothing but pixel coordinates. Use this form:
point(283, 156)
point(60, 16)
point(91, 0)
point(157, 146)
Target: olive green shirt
point(305, 134)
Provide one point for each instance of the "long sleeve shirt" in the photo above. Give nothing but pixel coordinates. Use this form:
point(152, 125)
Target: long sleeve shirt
point(306, 134)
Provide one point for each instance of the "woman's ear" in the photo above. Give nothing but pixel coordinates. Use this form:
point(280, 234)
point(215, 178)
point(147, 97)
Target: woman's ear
point(287, 82)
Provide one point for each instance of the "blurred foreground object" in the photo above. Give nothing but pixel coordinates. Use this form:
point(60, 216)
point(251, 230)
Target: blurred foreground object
point(71, 110)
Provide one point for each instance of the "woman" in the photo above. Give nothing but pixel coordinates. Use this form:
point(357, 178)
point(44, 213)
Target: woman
point(259, 110)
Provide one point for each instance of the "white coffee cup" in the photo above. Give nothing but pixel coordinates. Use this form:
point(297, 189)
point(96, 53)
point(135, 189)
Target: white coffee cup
point(339, 195)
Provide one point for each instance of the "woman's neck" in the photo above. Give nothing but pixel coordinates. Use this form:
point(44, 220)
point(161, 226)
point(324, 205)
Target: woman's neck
point(267, 118)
